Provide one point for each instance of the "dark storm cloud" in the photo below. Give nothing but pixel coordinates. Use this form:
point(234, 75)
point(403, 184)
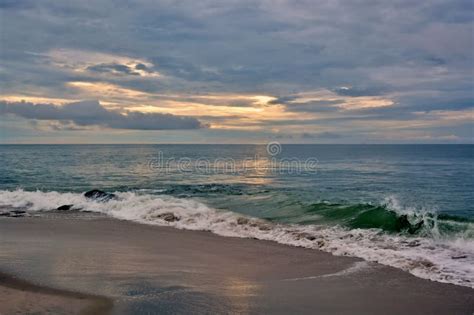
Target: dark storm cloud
point(91, 113)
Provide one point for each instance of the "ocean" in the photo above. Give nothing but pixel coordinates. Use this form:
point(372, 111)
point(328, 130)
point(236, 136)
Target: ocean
point(406, 206)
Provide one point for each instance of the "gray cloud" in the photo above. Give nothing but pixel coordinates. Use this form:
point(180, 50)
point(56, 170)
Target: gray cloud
point(417, 53)
point(314, 106)
point(113, 68)
point(359, 91)
point(308, 107)
point(15, 4)
point(117, 68)
point(252, 45)
point(283, 99)
point(91, 113)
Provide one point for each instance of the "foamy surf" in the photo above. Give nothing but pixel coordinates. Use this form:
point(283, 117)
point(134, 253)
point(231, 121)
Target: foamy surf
point(449, 260)
point(358, 266)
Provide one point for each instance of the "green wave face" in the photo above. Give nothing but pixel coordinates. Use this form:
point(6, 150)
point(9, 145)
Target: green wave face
point(367, 216)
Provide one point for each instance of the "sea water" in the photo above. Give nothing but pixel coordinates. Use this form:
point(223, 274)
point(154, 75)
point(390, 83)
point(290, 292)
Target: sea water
point(406, 206)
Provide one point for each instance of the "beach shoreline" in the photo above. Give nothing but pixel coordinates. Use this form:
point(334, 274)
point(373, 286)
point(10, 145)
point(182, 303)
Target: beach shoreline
point(144, 268)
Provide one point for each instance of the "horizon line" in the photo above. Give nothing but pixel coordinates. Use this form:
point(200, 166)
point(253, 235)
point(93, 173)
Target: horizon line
point(263, 143)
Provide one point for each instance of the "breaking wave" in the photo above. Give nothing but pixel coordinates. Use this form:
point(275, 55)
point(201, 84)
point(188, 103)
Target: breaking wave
point(437, 247)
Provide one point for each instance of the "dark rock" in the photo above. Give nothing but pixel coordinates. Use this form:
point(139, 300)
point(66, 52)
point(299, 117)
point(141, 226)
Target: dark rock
point(64, 207)
point(168, 217)
point(459, 257)
point(99, 195)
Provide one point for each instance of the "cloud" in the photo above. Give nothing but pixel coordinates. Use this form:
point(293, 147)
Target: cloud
point(15, 4)
point(116, 68)
point(389, 58)
point(314, 106)
point(92, 113)
point(283, 99)
point(323, 100)
point(322, 135)
point(113, 68)
point(310, 136)
point(358, 91)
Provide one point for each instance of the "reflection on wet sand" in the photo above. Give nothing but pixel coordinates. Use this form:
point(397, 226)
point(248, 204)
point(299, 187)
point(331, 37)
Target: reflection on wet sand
point(149, 269)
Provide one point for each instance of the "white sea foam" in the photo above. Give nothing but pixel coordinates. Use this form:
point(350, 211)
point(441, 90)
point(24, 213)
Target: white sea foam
point(356, 267)
point(429, 258)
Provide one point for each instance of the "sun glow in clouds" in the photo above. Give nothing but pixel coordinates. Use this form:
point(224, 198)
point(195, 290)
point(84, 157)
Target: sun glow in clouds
point(35, 99)
point(340, 101)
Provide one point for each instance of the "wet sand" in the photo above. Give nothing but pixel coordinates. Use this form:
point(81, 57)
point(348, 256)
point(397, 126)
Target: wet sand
point(18, 296)
point(148, 269)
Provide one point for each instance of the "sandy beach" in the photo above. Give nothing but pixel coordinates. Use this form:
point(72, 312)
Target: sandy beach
point(150, 269)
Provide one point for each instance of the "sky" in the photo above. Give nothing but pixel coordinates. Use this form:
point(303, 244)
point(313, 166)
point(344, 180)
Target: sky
point(243, 71)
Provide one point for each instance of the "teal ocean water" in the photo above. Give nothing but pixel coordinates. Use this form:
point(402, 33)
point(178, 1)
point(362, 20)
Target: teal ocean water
point(407, 206)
